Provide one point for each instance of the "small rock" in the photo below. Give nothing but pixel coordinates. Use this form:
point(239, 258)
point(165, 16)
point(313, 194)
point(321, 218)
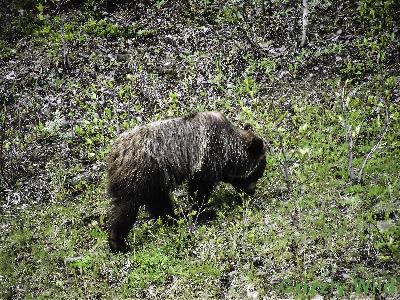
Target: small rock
point(275, 279)
point(384, 225)
point(10, 76)
point(72, 259)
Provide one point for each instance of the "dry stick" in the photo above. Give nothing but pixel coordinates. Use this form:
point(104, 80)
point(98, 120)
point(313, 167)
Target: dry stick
point(305, 23)
point(349, 137)
point(66, 62)
point(378, 142)
point(285, 166)
point(2, 138)
point(350, 155)
point(129, 106)
point(244, 215)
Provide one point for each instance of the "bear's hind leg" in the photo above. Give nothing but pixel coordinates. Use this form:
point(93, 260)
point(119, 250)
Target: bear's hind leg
point(123, 216)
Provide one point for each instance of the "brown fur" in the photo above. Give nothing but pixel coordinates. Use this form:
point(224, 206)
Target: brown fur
point(148, 162)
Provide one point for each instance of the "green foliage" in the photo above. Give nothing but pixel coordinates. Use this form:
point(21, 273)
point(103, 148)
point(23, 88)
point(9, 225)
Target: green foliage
point(249, 87)
point(228, 15)
point(83, 265)
point(378, 13)
point(269, 67)
point(93, 135)
point(101, 28)
point(378, 17)
point(388, 242)
point(218, 75)
point(6, 52)
point(173, 107)
point(333, 48)
point(160, 3)
point(152, 267)
point(145, 33)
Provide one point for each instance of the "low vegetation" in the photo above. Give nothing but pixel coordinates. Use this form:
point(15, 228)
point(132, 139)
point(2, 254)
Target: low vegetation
point(325, 220)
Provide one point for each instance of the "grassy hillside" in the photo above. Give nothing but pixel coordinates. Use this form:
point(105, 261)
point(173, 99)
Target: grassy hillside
point(325, 221)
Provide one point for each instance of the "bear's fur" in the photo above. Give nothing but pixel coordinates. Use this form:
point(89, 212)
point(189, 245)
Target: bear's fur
point(148, 162)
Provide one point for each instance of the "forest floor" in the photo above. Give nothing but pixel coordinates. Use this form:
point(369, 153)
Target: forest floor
point(325, 220)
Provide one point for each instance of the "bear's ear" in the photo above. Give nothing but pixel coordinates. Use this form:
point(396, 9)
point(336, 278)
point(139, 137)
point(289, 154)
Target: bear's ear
point(247, 126)
point(256, 147)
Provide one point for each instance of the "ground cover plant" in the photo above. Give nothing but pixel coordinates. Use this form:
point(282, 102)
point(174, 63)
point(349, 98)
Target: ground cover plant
point(325, 220)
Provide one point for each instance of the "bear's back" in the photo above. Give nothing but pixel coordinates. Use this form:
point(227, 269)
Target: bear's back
point(176, 148)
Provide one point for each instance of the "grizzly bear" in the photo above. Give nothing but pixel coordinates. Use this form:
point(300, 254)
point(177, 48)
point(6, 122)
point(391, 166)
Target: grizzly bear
point(148, 162)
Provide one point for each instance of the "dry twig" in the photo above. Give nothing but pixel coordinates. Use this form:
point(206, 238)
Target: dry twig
point(285, 165)
point(349, 136)
point(2, 138)
point(66, 60)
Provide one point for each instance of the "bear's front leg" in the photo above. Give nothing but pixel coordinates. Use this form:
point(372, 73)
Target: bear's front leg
point(160, 206)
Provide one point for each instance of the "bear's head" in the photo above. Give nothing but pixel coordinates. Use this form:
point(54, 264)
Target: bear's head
point(252, 163)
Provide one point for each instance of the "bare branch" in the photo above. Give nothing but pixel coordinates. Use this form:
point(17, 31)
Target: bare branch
point(66, 60)
point(378, 142)
point(305, 23)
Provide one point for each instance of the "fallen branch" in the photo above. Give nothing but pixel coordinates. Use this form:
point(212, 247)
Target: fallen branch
point(285, 168)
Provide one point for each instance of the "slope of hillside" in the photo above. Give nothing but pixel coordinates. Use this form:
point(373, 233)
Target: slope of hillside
point(325, 220)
